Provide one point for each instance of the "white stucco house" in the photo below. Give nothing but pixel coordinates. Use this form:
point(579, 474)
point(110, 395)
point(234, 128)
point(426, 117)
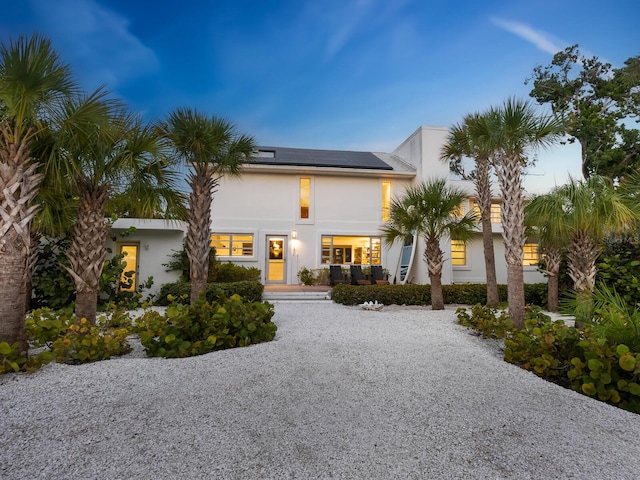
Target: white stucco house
point(297, 208)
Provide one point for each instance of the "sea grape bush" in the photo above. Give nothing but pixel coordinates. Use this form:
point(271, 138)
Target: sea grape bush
point(187, 330)
point(581, 359)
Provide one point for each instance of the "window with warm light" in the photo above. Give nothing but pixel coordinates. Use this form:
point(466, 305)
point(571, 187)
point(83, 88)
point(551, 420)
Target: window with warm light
point(344, 249)
point(531, 256)
point(232, 244)
point(305, 197)
point(496, 212)
point(458, 253)
point(386, 201)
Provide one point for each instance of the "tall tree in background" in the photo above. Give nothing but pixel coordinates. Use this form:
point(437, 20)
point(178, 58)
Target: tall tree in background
point(430, 210)
point(212, 148)
point(33, 84)
point(594, 100)
point(461, 144)
point(512, 132)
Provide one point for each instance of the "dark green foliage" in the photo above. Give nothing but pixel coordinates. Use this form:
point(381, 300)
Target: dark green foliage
point(52, 286)
point(458, 294)
point(250, 290)
point(385, 294)
point(619, 269)
point(187, 330)
point(229, 273)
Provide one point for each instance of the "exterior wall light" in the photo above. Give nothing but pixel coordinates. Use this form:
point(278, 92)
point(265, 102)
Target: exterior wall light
point(294, 234)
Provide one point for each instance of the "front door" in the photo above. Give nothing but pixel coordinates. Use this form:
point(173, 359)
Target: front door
point(276, 259)
point(129, 278)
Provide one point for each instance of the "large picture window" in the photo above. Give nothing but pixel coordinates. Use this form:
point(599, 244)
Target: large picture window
point(343, 249)
point(232, 244)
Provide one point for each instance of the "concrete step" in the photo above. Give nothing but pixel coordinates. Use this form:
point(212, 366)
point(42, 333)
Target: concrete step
point(272, 296)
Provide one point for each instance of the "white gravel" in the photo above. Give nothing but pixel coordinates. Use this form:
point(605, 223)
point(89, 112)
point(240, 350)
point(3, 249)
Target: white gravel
point(341, 393)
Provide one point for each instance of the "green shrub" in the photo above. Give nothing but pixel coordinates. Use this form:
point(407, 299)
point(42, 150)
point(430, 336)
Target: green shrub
point(619, 269)
point(385, 294)
point(250, 290)
point(610, 374)
point(412, 294)
point(44, 326)
point(186, 330)
point(543, 347)
point(485, 321)
point(86, 343)
point(230, 273)
point(306, 276)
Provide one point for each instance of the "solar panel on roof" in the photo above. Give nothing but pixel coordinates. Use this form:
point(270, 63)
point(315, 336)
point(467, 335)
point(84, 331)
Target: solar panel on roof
point(321, 158)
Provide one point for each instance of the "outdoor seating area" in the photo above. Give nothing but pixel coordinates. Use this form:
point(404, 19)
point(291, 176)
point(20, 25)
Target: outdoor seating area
point(358, 276)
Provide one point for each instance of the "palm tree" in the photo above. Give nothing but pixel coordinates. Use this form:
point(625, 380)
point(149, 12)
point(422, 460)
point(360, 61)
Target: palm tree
point(102, 150)
point(429, 209)
point(545, 218)
point(460, 144)
point(212, 148)
point(592, 209)
point(511, 132)
point(33, 82)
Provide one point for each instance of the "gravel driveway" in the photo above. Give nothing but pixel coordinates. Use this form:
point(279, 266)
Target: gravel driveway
point(340, 393)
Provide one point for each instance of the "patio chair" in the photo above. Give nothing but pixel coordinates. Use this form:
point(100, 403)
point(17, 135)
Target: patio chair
point(335, 275)
point(377, 275)
point(357, 278)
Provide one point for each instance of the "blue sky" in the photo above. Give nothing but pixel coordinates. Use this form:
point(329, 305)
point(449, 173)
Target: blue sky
point(335, 74)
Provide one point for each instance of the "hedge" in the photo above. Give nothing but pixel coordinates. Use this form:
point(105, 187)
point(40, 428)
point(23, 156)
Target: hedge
point(249, 290)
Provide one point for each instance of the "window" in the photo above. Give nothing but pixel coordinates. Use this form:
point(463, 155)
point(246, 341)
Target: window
point(343, 249)
point(458, 253)
point(496, 212)
point(386, 201)
point(531, 255)
point(305, 197)
point(232, 244)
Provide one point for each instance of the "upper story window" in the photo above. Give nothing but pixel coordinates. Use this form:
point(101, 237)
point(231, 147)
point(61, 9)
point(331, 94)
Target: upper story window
point(496, 212)
point(386, 201)
point(531, 256)
point(458, 253)
point(232, 244)
point(305, 197)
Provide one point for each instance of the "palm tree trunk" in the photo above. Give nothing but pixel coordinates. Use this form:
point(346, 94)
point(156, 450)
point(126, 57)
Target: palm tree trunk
point(19, 184)
point(483, 190)
point(582, 257)
point(553, 260)
point(434, 256)
point(513, 234)
point(198, 239)
point(87, 252)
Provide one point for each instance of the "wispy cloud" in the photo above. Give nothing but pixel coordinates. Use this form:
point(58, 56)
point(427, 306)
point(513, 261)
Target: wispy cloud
point(540, 39)
point(96, 40)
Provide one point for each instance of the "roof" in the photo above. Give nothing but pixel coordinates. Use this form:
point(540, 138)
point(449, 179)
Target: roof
point(319, 158)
